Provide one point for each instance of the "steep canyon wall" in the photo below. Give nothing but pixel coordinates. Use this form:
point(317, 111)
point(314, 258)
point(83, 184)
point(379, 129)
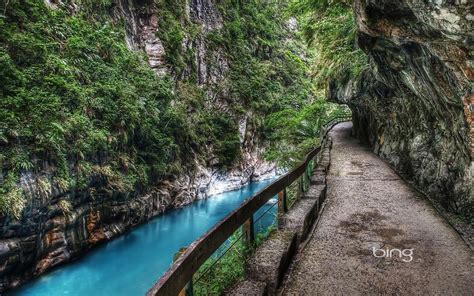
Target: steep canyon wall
point(59, 224)
point(414, 102)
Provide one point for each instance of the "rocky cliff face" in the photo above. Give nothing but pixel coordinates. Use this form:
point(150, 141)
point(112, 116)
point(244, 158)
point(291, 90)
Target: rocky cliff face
point(211, 66)
point(62, 224)
point(414, 103)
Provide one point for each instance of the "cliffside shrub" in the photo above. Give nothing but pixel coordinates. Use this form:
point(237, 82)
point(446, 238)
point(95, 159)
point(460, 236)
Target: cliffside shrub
point(12, 202)
point(294, 132)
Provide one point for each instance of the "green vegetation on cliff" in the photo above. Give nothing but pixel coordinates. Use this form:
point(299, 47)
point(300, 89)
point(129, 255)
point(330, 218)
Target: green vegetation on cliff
point(78, 105)
point(329, 27)
point(329, 30)
point(72, 93)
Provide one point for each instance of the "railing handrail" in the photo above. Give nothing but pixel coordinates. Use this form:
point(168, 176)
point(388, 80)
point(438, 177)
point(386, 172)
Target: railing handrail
point(183, 269)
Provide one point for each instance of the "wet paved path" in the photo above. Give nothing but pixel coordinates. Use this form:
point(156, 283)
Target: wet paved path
point(369, 207)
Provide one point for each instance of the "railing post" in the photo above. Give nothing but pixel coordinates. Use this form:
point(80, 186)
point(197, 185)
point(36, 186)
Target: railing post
point(282, 206)
point(300, 186)
point(249, 231)
point(188, 289)
point(312, 164)
point(306, 176)
point(282, 202)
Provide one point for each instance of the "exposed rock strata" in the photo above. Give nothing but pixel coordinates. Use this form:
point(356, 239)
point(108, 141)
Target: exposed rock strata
point(415, 102)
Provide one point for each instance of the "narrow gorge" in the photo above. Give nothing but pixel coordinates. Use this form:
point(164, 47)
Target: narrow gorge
point(116, 112)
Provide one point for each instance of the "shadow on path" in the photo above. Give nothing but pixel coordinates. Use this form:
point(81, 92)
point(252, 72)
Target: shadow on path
point(370, 209)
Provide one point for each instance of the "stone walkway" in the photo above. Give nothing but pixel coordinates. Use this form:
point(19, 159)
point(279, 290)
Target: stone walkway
point(370, 208)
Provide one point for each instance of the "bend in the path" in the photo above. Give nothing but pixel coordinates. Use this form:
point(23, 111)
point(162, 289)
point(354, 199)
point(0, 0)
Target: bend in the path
point(369, 206)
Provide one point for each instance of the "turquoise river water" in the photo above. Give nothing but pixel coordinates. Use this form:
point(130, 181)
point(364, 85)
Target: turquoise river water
point(131, 263)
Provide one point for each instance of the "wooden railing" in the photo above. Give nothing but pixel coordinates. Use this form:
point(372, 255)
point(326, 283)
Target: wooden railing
point(181, 272)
